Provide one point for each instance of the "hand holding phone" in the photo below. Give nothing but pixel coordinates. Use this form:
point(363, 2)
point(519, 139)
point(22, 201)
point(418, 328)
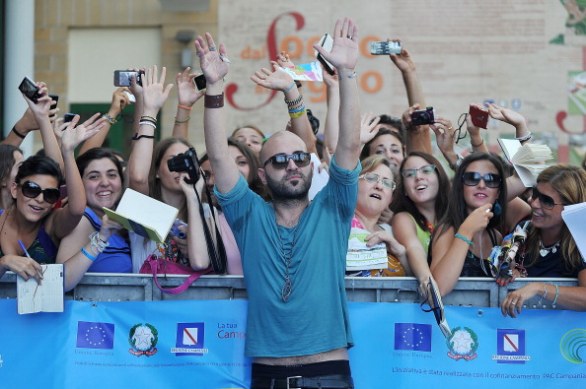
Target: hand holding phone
point(478, 116)
point(385, 48)
point(200, 82)
point(327, 42)
point(30, 89)
point(123, 77)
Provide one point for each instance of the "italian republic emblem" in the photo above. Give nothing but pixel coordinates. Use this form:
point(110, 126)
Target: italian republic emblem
point(143, 339)
point(463, 344)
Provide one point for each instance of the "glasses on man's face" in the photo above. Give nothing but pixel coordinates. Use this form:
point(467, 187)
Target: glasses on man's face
point(425, 170)
point(32, 190)
point(281, 160)
point(546, 201)
point(374, 178)
point(491, 180)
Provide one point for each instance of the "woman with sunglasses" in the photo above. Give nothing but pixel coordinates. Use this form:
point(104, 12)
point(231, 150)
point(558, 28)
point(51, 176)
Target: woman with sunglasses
point(95, 245)
point(550, 250)
point(419, 202)
point(473, 223)
point(375, 193)
point(33, 222)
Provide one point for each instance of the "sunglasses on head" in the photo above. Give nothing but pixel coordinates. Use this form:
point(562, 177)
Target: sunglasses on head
point(545, 200)
point(375, 178)
point(32, 190)
point(425, 170)
point(281, 160)
point(491, 180)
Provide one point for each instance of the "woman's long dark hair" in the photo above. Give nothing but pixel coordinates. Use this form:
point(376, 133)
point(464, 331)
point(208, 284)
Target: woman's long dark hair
point(402, 203)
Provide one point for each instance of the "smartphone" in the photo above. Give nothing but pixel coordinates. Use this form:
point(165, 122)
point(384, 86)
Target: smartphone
point(478, 116)
point(68, 117)
point(29, 89)
point(385, 48)
point(200, 82)
point(327, 42)
point(63, 191)
point(423, 116)
point(55, 99)
point(122, 77)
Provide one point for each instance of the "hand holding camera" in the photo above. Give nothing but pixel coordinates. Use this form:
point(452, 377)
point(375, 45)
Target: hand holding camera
point(423, 117)
point(186, 162)
point(187, 83)
point(344, 54)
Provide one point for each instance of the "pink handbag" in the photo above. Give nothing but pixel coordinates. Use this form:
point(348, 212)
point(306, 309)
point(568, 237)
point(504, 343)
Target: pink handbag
point(153, 265)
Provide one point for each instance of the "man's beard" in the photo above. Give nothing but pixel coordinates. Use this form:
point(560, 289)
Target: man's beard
point(284, 190)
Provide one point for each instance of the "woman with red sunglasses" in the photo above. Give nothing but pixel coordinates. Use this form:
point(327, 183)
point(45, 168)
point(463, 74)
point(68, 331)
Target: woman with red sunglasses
point(474, 222)
point(550, 249)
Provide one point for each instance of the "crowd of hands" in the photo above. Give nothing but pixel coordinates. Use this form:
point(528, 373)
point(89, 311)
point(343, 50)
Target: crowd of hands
point(60, 139)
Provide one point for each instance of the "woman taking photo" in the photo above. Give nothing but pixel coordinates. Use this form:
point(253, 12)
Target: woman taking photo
point(550, 249)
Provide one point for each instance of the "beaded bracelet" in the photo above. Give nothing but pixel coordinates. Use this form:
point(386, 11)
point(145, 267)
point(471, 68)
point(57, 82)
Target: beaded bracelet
point(293, 103)
point(462, 237)
point(149, 118)
point(21, 136)
point(88, 255)
point(297, 109)
point(109, 118)
point(296, 115)
point(98, 245)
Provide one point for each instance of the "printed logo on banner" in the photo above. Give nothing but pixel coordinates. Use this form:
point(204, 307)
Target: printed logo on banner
point(95, 335)
point(413, 336)
point(510, 346)
point(572, 343)
point(463, 344)
point(143, 339)
point(190, 339)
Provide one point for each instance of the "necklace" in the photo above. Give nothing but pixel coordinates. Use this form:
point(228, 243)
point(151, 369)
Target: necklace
point(543, 251)
point(286, 248)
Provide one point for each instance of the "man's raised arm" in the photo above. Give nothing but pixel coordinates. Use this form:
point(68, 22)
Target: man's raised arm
point(344, 56)
point(214, 65)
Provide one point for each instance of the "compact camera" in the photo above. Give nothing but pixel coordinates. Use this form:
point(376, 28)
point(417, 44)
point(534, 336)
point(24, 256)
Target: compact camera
point(423, 116)
point(186, 162)
point(478, 116)
point(122, 77)
point(385, 48)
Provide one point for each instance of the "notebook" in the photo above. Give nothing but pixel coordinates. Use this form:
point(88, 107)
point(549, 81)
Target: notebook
point(144, 215)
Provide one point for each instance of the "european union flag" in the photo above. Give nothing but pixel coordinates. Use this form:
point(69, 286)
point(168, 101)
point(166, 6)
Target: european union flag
point(413, 336)
point(95, 335)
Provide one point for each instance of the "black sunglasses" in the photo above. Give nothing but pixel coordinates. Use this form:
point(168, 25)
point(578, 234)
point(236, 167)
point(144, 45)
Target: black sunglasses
point(281, 160)
point(32, 190)
point(545, 200)
point(473, 178)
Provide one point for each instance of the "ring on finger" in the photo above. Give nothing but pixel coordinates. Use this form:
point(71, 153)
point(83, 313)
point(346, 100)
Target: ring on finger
point(212, 48)
point(349, 36)
point(450, 128)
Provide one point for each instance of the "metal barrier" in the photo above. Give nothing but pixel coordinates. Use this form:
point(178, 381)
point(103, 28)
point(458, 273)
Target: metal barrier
point(476, 292)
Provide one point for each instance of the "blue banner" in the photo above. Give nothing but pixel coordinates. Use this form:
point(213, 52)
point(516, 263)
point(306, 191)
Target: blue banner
point(200, 344)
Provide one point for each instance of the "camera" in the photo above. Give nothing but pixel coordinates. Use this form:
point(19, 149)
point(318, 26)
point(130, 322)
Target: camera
point(122, 77)
point(327, 42)
point(385, 48)
point(478, 116)
point(423, 116)
point(29, 89)
point(186, 162)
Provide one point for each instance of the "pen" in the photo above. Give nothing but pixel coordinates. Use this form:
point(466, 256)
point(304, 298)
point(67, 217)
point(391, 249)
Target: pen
point(28, 256)
point(23, 248)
